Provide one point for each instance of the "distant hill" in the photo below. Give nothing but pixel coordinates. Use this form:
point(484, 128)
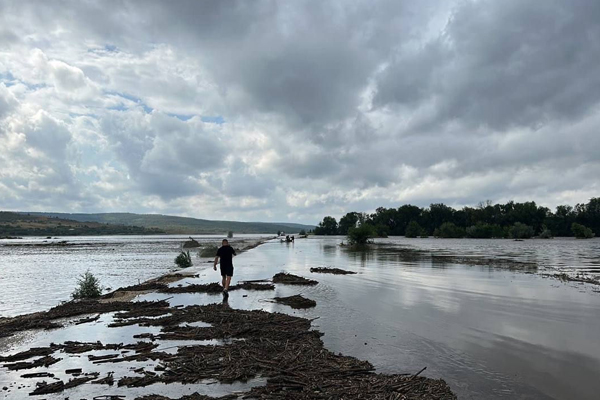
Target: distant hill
point(183, 225)
point(19, 224)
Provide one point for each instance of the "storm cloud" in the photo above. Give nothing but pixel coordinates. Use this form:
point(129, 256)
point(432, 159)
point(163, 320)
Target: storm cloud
point(282, 111)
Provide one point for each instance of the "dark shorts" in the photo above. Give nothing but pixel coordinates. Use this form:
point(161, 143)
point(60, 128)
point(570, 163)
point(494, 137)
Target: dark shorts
point(227, 270)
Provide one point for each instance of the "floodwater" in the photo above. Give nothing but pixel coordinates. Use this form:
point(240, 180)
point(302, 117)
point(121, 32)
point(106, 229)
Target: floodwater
point(37, 274)
point(490, 332)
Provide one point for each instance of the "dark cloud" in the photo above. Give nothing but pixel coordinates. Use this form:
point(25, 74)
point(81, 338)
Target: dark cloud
point(324, 107)
point(502, 65)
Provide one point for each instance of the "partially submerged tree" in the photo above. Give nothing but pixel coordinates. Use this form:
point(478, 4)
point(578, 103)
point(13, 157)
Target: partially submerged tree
point(449, 230)
point(328, 226)
point(413, 230)
point(88, 287)
point(360, 235)
point(521, 231)
point(183, 260)
point(581, 232)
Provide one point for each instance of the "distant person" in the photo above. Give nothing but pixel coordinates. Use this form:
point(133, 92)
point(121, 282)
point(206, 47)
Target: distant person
point(225, 253)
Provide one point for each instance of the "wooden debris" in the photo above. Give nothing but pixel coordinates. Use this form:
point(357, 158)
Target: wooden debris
point(86, 320)
point(216, 288)
point(24, 355)
point(47, 388)
point(335, 271)
point(108, 380)
point(45, 320)
point(40, 362)
point(290, 279)
point(296, 301)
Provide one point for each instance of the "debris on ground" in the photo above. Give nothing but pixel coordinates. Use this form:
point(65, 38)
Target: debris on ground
point(279, 347)
point(86, 320)
point(290, 279)
point(216, 288)
point(190, 244)
point(296, 301)
point(335, 271)
point(45, 320)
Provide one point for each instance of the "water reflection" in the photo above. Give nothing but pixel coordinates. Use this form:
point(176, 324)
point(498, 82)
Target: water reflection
point(491, 332)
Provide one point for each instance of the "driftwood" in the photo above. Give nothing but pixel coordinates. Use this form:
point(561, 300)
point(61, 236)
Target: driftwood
point(335, 271)
point(290, 279)
point(296, 301)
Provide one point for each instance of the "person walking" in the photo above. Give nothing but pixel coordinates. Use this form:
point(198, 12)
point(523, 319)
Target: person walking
point(225, 253)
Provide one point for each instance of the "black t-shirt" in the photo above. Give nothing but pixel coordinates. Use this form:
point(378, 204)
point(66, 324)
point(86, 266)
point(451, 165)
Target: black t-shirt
point(226, 254)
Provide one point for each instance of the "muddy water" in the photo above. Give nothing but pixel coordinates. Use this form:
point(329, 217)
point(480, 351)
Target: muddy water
point(36, 274)
point(490, 332)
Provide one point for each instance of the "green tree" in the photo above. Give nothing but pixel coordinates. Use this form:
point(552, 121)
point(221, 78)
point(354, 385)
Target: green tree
point(485, 231)
point(581, 232)
point(449, 230)
point(347, 221)
point(413, 230)
point(88, 287)
point(360, 235)
point(521, 231)
point(328, 226)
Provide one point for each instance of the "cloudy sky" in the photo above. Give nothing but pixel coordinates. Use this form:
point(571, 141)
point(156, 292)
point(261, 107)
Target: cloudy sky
point(292, 110)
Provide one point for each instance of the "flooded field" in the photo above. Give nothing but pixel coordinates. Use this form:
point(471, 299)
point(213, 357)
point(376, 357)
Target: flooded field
point(491, 330)
point(38, 273)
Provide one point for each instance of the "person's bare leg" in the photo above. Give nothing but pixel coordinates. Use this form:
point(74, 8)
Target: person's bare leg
point(228, 281)
point(224, 282)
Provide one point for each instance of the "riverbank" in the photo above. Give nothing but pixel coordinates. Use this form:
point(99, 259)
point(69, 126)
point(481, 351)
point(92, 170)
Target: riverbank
point(213, 343)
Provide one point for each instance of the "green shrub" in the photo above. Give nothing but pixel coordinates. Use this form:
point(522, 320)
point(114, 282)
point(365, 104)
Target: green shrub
point(521, 231)
point(230, 234)
point(302, 232)
point(361, 234)
point(581, 232)
point(449, 230)
point(183, 260)
point(89, 287)
point(413, 230)
point(485, 231)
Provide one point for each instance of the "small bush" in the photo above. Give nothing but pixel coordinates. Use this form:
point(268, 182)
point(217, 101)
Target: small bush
point(230, 234)
point(89, 287)
point(183, 260)
point(361, 235)
point(302, 232)
point(581, 231)
point(521, 231)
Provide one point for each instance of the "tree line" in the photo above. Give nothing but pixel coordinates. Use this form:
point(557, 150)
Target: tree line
point(487, 220)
